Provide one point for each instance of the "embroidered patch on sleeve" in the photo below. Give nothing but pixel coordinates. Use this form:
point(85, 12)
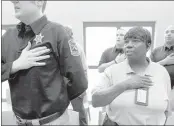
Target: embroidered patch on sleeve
point(73, 48)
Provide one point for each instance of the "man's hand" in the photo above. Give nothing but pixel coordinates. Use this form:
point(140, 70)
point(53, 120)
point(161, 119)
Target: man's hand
point(29, 58)
point(137, 81)
point(169, 60)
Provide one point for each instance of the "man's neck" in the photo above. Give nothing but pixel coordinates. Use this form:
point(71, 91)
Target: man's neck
point(33, 18)
point(169, 44)
point(116, 48)
point(139, 65)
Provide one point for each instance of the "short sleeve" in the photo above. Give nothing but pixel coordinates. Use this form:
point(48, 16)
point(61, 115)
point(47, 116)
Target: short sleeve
point(103, 58)
point(167, 86)
point(104, 81)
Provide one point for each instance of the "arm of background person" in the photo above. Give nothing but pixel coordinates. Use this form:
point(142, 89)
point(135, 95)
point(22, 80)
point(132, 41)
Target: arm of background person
point(167, 86)
point(105, 92)
point(103, 64)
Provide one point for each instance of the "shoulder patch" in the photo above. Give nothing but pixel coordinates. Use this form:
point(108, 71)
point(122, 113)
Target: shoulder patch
point(73, 48)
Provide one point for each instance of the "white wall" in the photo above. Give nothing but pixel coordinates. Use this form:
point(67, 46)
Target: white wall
point(75, 12)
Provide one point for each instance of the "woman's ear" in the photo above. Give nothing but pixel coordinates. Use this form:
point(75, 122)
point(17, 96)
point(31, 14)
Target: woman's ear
point(148, 46)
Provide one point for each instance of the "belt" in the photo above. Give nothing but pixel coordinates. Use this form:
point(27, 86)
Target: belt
point(40, 121)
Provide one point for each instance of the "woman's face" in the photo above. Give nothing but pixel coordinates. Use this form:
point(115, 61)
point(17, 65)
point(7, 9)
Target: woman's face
point(135, 49)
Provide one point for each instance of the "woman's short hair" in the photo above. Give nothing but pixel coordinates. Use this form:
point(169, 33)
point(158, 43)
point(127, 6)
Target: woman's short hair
point(139, 33)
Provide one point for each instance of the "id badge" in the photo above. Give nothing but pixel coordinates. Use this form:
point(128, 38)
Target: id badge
point(142, 96)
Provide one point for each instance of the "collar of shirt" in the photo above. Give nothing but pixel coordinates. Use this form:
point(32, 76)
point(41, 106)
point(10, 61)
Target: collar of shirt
point(168, 48)
point(21, 29)
point(120, 50)
point(146, 73)
point(36, 26)
point(39, 24)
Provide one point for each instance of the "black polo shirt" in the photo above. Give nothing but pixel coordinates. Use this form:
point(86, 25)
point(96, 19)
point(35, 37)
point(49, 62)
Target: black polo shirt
point(161, 53)
point(40, 91)
point(109, 54)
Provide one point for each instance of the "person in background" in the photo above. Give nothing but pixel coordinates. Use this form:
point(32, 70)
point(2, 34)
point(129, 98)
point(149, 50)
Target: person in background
point(130, 89)
point(78, 103)
point(114, 54)
point(36, 55)
point(164, 55)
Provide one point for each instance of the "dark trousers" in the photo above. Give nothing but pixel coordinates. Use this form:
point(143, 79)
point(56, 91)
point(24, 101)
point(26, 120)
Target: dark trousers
point(108, 122)
point(78, 106)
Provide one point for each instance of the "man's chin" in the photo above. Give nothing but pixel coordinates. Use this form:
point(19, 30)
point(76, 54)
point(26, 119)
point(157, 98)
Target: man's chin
point(119, 46)
point(17, 15)
point(170, 43)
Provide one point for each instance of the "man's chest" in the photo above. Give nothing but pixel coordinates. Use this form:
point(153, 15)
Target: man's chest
point(162, 54)
point(15, 44)
point(43, 38)
point(111, 56)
